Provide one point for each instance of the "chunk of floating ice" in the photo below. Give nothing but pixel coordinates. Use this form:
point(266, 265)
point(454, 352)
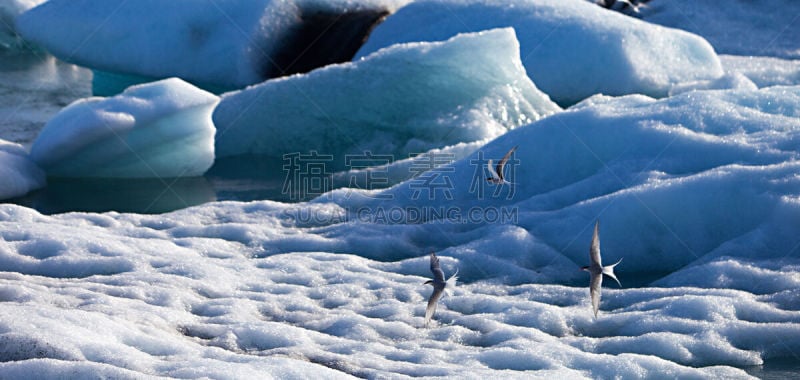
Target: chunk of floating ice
point(160, 129)
point(404, 99)
point(571, 49)
point(19, 174)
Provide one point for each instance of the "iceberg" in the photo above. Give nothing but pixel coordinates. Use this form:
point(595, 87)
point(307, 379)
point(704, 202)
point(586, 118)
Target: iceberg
point(571, 49)
point(221, 46)
point(763, 28)
point(404, 99)
point(159, 129)
point(18, 172)
point(9, 10)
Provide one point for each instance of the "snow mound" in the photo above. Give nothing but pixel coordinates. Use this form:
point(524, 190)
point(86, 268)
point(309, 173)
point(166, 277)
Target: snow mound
point(160, 129)
point(19, 174)
point(405, 99)
point(238, 42)
point(571, 49)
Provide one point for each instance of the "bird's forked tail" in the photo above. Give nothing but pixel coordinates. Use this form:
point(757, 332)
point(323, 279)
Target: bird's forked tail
point(608, 270)
point(450, 284)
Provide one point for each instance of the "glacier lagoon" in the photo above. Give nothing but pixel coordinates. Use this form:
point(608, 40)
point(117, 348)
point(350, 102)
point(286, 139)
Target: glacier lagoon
point(238, 289)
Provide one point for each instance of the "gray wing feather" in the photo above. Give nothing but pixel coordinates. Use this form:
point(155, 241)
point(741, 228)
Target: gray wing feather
point(437, 293)
point(594, 250)
point(438, 274)
point(594, 291)
point(503, 161)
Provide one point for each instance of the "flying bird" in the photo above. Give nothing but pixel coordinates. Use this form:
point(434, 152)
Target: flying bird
point(497, 172)
point(440, 286)
point(597, 270)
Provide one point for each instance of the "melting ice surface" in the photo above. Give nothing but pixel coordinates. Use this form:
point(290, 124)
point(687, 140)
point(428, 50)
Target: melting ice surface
point(698, 192)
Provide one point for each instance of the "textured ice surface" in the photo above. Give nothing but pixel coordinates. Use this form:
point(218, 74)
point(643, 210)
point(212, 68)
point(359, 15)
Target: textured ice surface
point(225, 44)
point(197, 293)
point(159, 129)
point(571, 49)
point(405, 99)
point(19, 174)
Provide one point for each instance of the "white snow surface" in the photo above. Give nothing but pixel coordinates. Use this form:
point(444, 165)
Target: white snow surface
point(408, 98)
point(19, 174)
point(158, 129)
point(741, 27)
point(570, 48)
point(222, 43)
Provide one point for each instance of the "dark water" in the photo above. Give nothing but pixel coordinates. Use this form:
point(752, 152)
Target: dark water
point(238, 179)
point(777, 369)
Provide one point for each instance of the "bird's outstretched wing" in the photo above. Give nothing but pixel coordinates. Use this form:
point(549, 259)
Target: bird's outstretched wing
point(502, 163)
point(594, 249)
point(438, 274)
point(594, 291)
point(437, 293)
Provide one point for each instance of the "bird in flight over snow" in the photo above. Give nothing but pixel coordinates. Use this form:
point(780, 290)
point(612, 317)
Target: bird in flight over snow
point(440, 286)
point(497, 172)
point(597, 270)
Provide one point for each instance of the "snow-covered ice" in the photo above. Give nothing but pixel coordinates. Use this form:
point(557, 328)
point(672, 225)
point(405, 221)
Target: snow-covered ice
point(19, 174)
point(408, 98)
point(570, 48)
point(159, 129)
point(194, 293)
point(707, 196)
point(239, 42)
